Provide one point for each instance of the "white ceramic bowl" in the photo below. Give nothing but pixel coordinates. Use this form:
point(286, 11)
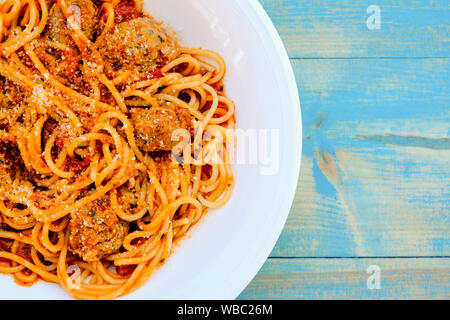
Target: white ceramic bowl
point(225, 251)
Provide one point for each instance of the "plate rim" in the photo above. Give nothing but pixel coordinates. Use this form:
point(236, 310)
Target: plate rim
point(294, 102)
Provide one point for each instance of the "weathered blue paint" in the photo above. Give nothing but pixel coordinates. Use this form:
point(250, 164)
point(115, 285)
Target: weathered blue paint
point(375, 178)
point(337, 29)
point(400, 278)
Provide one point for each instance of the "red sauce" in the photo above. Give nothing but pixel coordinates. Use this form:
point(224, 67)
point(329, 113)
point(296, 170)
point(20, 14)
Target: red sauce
point(25, 252)
point(59, 141)
point(5, 245)
point(71, 59)
point(139, 241)
point(125, 270)
point(125, 10)
point(75, 165)
point(219, 88)
point(206, 171)
point(181, 67)
point(153, 74)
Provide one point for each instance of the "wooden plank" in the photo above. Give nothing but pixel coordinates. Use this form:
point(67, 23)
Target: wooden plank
point(317, 225)
point(330, 29)
point(413, 91)
point(347, 279)
point(376, 165)
point(375, 177)
point(374, 210)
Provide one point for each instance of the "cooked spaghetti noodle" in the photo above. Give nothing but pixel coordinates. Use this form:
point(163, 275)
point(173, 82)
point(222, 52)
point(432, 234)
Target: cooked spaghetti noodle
point(98, 175)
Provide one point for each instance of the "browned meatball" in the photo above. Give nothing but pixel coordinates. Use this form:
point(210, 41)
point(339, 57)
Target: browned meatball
point(57, 27)
point(12, 97)
point(57, 50)
point(139, 44)
point(11, 94)
point(154, 127)
point(96, 231)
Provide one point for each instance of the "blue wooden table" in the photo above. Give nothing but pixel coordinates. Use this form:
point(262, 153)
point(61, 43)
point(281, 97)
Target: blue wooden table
point(371, 216)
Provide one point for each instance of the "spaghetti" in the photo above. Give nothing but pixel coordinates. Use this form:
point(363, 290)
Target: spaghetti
point(98, 175)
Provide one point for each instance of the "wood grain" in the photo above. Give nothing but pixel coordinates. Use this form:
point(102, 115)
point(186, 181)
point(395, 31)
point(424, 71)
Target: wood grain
point(374, 188)
point(347, 279)
point(376, 160)
point(372, 211)
point(332, 29)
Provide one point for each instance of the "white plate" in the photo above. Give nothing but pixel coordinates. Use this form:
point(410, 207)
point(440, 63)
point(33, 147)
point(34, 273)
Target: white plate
point(225, 251)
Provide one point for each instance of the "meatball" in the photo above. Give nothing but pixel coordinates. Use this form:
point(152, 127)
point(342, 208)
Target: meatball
point(153, 128)
point(57, 27)
point(64, 63)
point(96, 231)
point(12, 98)
point(139, 44)
point(11, 94)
